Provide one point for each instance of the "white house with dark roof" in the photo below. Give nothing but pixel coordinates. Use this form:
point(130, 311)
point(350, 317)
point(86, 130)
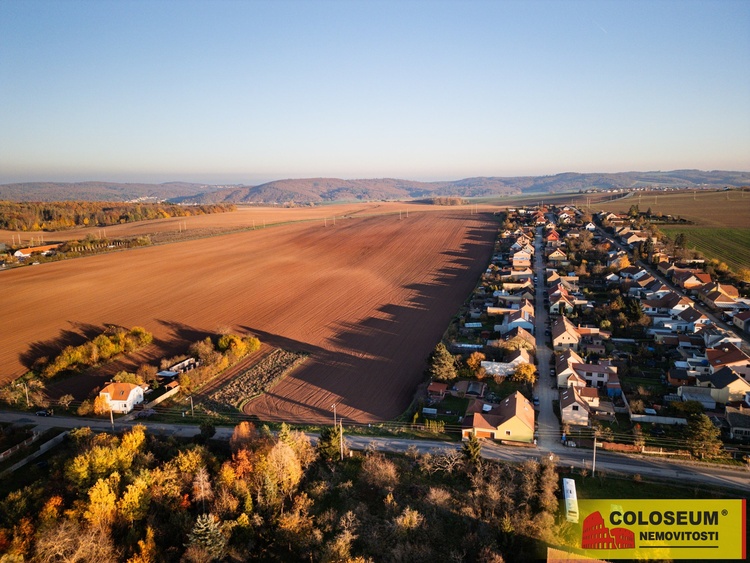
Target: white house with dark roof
point(573, 408)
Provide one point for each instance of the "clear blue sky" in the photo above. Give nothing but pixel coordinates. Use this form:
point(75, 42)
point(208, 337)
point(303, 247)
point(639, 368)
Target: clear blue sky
point(251, 91)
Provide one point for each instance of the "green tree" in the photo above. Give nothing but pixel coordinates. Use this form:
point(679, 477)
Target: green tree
point(329, 443)
point(472, 450)
point(207, 536)
point(442, 364)
point(207, 430)
point(686, 408)
point(703, 437)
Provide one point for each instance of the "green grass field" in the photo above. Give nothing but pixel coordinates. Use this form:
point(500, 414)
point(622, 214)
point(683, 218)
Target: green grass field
point(728, 245)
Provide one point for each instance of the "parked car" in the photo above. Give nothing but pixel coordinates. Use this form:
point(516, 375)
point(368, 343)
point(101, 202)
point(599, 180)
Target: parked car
point(657, 431)
point(46, 412)
point(536, 401)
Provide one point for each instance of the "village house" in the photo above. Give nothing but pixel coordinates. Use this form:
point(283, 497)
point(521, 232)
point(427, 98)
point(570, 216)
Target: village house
point(516, 319)
point(559, 304)
point(690, 279)
point(521, 260)
point(596, 375)
point(718, 295)
point(726, 385)
point(557, 256)
point(739, 423)
point(727, 355)
point(564, 335)
point(520, 333)
point(573, 409)
point(591, 396)
point(122, 397)
point(680, 376)
point(436, 390)
point(512, 420)
point(742, 321)
point(565, 374)
point(715, 337)
point(670, 304)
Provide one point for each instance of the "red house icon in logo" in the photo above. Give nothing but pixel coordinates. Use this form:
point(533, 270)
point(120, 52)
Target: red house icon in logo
point(596, 535)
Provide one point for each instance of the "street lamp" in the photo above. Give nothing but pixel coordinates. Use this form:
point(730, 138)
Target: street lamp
point(192, 412)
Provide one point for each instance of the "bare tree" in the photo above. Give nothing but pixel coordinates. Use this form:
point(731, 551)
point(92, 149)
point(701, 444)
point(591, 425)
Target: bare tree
point(69, 541)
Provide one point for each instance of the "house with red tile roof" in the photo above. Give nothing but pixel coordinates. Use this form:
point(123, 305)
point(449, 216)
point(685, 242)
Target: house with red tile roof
point(122, 397)
point(727, 355)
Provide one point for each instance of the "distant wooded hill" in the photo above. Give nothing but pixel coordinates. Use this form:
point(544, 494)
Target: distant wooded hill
point(100, 191)
point(326, 190)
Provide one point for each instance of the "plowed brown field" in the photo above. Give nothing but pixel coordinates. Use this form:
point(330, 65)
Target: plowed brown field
point(368, 299)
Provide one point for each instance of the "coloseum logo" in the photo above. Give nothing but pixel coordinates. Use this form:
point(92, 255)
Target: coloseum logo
point(668, 529)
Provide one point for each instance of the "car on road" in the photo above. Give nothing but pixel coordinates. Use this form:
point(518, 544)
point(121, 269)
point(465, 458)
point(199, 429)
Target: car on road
point(657, 431)
point(536, 401)
point(46, 412)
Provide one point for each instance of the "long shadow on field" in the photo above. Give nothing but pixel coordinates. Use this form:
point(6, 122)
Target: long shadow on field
point(77, 335)
point(375, 364)
point(278, 341)
point(183, 333)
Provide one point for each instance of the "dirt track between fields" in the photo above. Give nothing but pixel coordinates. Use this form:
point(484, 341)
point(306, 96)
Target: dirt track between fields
point(368, 298)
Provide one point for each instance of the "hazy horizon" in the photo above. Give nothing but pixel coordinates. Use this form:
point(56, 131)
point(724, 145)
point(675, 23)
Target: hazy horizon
point(170, 179)
point(250, 92)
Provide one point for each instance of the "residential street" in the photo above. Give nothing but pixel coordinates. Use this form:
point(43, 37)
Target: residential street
point(549, 431)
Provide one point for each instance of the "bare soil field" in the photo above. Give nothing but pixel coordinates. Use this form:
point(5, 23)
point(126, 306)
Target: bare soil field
point(244, 218)
point(367, 298)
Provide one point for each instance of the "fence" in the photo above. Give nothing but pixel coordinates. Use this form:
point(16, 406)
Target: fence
point(42, 449)
point(670, 420)
point(10, 451)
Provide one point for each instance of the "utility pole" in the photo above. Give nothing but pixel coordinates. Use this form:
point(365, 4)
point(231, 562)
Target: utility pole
point(111, 417)
point(593, 466)
point(192, 412)
point(341, 438)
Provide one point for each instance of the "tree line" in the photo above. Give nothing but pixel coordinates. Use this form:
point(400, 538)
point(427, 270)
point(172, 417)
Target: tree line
point(61, 215)
point(139, 498)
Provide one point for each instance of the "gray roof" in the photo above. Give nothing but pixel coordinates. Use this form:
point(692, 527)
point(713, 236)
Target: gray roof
point(738, 418)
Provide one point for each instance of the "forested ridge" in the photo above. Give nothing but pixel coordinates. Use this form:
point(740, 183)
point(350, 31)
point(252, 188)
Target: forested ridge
point(60, 215)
